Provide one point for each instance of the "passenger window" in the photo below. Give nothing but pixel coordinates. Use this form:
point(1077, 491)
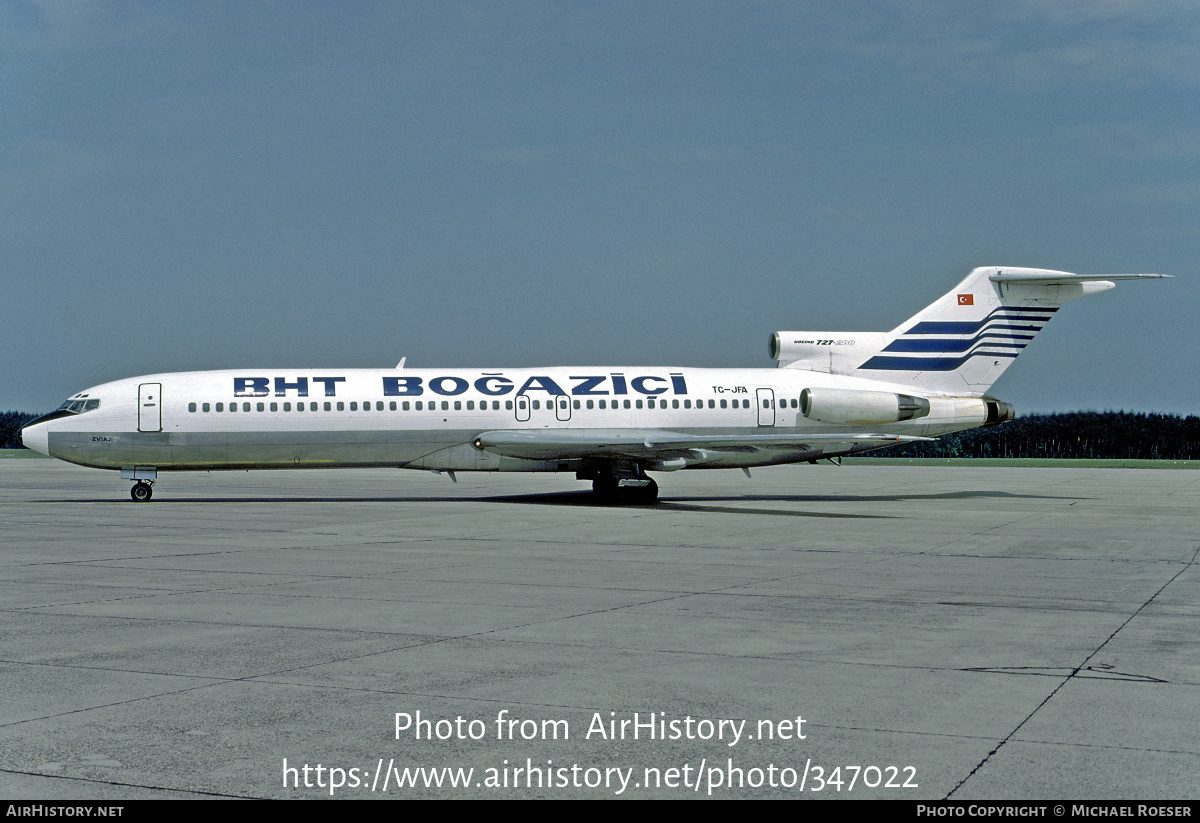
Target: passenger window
point(508, 405)
point(420, 406)
point(603, 405)
point(245, 407)
point(712, 404)
point(674, 404)
point(723, 404)
point(299, 407)
point(286, 406)
point(204, 407)
point(626, 404)
point(274, 407)
point(404, 405)
point(687, 404)
point(378, 405)
point(537, 404)
point(328, 406)
point(590, 404)
point(470, 405)
point(220, 407)
point(341, 406)
point(639, 404)
point(445, 405)
point(458, 405)
point(191, 407)
point(353, 405)
point(576, 404)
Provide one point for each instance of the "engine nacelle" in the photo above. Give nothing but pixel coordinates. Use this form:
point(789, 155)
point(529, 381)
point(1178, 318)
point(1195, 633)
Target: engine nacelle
point(998, 411)
point(856, 408)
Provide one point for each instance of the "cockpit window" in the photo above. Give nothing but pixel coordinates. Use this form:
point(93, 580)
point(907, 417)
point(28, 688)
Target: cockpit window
point(80, 406)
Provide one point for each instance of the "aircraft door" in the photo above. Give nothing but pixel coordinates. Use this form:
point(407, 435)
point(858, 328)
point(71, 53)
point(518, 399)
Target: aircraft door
point(562, 407)
point(766, 407)
point(150, 407)
point(522, 408)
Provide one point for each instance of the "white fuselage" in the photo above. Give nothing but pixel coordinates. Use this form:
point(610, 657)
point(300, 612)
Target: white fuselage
point(430, 418)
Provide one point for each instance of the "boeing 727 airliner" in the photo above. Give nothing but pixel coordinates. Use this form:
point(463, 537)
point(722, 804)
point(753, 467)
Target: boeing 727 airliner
point(833, 394)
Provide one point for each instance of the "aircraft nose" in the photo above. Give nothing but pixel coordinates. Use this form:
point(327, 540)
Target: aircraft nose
point(36, 436)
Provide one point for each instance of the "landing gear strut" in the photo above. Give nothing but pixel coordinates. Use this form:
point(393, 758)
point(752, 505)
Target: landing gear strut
point(141, 492)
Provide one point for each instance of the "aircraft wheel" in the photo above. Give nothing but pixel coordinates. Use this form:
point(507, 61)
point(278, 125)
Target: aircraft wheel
point(605, 488)
point(646, 495)
point(141, 492)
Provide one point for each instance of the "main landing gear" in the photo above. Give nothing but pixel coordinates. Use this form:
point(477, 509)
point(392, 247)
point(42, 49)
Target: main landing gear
point(622, 486)
point(141, 492)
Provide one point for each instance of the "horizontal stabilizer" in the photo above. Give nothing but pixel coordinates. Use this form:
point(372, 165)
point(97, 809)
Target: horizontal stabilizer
point(1044, 277)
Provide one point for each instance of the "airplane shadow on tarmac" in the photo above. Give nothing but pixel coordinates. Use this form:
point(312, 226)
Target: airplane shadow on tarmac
point(585, 499)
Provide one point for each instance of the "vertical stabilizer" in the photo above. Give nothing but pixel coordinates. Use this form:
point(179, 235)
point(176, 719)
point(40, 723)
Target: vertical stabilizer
point(961, 343)
point(964, 341)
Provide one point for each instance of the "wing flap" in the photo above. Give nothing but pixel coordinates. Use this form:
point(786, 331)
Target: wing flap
point(552, 444)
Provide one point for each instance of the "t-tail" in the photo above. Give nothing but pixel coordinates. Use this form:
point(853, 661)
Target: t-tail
point(958, 345)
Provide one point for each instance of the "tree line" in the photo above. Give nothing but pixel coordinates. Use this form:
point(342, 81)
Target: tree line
point(10, 428)
point(1101, 435)
point(1111, 435)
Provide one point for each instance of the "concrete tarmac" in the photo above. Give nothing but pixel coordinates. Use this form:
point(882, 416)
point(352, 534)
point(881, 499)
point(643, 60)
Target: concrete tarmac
point(971, 633)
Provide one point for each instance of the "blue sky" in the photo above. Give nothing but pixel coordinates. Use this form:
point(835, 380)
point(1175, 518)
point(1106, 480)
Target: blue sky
point(250, 184)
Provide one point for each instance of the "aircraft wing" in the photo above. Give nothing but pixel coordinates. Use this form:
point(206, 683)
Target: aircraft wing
point(551, 444)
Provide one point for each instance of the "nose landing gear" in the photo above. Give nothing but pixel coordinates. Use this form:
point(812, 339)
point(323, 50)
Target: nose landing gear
point(145, 476)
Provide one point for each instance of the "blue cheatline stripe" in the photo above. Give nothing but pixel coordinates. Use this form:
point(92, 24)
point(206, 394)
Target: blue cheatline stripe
point(948, 344)
point(935, 327)
point(928, 363)
point(971, 327)
point(952, 346)
point(946, 328)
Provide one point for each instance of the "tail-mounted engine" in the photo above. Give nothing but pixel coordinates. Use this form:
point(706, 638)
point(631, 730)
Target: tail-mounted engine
point(854, 407)
point(998, 411)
